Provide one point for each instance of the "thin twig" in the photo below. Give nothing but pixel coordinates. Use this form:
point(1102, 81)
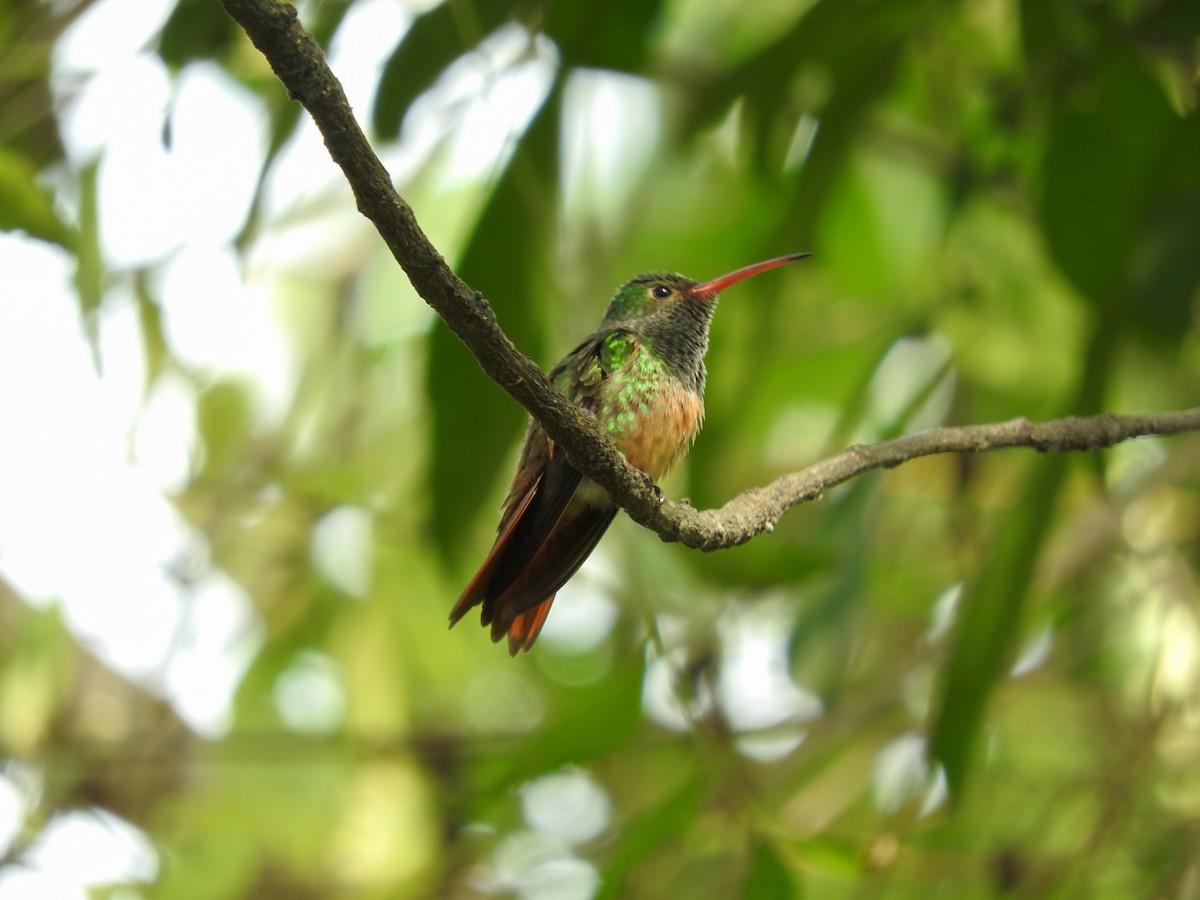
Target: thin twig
point(300, 64)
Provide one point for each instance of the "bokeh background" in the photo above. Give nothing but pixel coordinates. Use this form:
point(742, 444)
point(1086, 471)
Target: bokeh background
point(245, 472)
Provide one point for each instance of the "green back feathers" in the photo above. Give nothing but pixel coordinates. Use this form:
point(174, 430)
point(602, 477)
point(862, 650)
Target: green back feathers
point(616, 349)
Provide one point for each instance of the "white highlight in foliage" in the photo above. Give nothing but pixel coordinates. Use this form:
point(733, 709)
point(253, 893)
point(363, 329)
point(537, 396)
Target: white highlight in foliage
point(903, 772)
point(342, 550)
point(755, 688)
point(611, 130)
point(80, 849)
point(163, 184)
point(13, 807)
point(69, 490)
point(664, 699)
point(165, 445)
point(568, 805)
point(945, 611)
point(309, 695)
point(910, 368)
point(533, 866)
point(109, 32)
point(584, 611)
point(219, 637)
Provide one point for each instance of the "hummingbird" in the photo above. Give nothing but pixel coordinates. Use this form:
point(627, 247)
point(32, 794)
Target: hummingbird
point(642, 374)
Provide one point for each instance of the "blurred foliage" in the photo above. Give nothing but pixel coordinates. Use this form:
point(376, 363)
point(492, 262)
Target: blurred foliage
point(1003, 199)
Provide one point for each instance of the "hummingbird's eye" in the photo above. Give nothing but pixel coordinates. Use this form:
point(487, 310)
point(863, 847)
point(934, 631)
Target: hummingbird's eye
point(660, 292)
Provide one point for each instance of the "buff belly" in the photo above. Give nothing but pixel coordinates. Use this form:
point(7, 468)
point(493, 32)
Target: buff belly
point(654, 429)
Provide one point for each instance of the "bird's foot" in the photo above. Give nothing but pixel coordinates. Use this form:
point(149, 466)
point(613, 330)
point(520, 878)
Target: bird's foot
point(658, 494)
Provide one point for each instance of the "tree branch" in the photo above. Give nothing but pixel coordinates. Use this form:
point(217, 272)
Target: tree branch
point(300, 64)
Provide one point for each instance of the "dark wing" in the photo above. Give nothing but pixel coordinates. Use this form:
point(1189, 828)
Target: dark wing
point(523, 608)
point(537, 549)
point(529, 597)
point(540, 493)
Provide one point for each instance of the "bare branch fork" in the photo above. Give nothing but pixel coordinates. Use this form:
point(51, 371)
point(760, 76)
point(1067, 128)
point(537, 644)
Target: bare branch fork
point(300, 64)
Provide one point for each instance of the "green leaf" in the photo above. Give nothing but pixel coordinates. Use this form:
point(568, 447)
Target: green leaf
point(767, 878)
point(858, 63)
point(989, 623)
point(605, 35)
point(196, 29)
point(435, 40)
point(1055, 35)
point(224, 420)
point(154, 341)
point(36, 668)
point(25, 205)
point(284, 112)
point(1102, 155)
point(1166, 268)
point(474, 422)
point(1165, 272)
point(89, 261)
point(642, 838)
point(589, 722)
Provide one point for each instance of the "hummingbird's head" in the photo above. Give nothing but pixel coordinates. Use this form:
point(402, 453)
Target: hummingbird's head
point(660, 295)
point(652, 295)
point(672, 313)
